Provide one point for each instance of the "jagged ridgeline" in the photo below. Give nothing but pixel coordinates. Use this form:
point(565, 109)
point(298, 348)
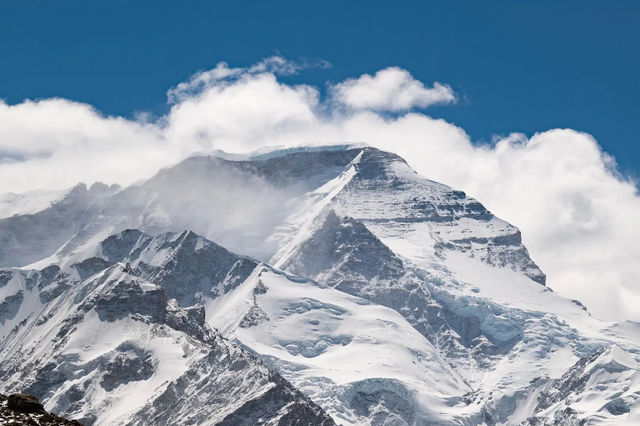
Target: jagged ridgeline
point(310, 286)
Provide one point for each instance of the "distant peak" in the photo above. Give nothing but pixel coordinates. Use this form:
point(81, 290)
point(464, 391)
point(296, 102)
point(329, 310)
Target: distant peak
point(103, 188)
point(79, 188)
point(127, 234)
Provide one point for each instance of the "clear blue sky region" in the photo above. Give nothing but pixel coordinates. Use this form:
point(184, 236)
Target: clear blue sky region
point(517, 66)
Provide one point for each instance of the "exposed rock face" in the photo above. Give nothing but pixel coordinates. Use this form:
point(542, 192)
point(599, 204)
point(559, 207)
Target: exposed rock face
point(253, 317)
point(24, 409)
point(190, 269)
point(10, 306)
point(343, 246)
point(24, 403)
point(300, 413)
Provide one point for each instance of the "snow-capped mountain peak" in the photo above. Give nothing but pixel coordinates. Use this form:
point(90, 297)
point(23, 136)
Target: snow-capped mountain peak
point(384, 297)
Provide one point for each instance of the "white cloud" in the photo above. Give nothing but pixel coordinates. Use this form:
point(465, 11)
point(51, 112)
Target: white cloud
point(390, 89)
point(578, 217)
point(231, 116)
point(55, 143)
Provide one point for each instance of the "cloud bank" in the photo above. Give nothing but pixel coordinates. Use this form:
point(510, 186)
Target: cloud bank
point(578, 216)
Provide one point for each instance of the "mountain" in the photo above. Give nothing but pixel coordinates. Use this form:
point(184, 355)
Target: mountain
point(362, 291)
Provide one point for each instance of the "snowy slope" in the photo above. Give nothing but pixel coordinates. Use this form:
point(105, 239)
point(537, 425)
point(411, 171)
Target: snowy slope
point(362, 362)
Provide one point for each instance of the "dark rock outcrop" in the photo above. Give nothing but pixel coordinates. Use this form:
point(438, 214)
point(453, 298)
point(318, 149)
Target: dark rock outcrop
point(24, 409)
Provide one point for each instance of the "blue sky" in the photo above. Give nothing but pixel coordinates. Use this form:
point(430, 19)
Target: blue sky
point(517, 66)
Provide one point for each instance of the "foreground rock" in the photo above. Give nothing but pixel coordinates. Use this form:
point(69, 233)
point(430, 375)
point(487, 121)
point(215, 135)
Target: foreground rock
point(24, 409)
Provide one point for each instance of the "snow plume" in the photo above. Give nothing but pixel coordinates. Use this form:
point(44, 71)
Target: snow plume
point(578, 216)
point(233, 206)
